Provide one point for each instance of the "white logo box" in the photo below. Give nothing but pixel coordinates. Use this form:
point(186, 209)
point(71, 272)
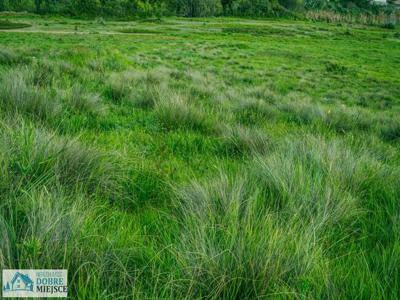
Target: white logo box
point(35, 284)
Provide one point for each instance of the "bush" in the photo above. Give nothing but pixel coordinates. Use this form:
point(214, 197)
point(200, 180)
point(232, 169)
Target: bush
point(256, 8)
point(389, 25)
point(198, 8)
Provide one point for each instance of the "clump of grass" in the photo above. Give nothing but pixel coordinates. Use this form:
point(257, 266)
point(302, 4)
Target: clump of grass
point(335, 67)
point(9, 57)
point(100, 21)
point(283, 219)
point(119, 86)
point(231, 247)
point(49, 232)
point(344, 119)
point(251, 110)
point(18, 95)
point(263, 93)
point(203, 85)
point(46, 72)
point(84, 102)
point(174, 112)
point(258, 30)
point(239, 140)
point(390, 130)
point(303, 175)
point(43, 72)
point(139, 88)
point(96, 65)
point(32, 157)
point(301, 109)
point(150, 87)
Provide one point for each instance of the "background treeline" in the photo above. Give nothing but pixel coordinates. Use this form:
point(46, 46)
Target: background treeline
point(189, 8)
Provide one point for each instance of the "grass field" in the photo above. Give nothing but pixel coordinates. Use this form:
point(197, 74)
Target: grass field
point(202, 158)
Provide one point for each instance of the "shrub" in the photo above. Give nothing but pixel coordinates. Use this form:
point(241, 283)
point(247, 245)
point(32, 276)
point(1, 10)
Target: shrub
point(199, 8)
point(389, 25)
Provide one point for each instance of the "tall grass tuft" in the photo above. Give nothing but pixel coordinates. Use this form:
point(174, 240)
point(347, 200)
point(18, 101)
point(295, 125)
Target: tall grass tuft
point(252, 110)
point(19, 95)
point(140, 88)
point(8, 57)
point(43, 232)
point(174, 112)
point(239, 140)
point(84, 102)
point(290, 223)
point(231, 247)
point(32, 157)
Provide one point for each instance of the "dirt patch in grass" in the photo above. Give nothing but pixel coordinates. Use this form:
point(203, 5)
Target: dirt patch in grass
point(5, 24)
point(138, 31)
point(257, 30)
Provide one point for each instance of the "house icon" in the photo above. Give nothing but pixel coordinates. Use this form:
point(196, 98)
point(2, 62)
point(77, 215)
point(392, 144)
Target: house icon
point(20, 282)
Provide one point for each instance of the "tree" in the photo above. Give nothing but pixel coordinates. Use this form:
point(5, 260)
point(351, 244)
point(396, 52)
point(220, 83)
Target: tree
point(197, 8)
point(227, 6)
point(38, 4)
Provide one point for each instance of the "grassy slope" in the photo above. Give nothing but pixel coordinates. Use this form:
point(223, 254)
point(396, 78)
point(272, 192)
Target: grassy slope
point(215, 158)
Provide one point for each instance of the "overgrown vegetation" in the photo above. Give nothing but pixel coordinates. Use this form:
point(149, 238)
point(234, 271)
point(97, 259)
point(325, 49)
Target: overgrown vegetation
point(198, 8)
point(204, 159)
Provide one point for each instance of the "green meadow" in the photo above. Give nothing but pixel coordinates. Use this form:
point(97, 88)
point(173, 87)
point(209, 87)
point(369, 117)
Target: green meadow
point(208, 158)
